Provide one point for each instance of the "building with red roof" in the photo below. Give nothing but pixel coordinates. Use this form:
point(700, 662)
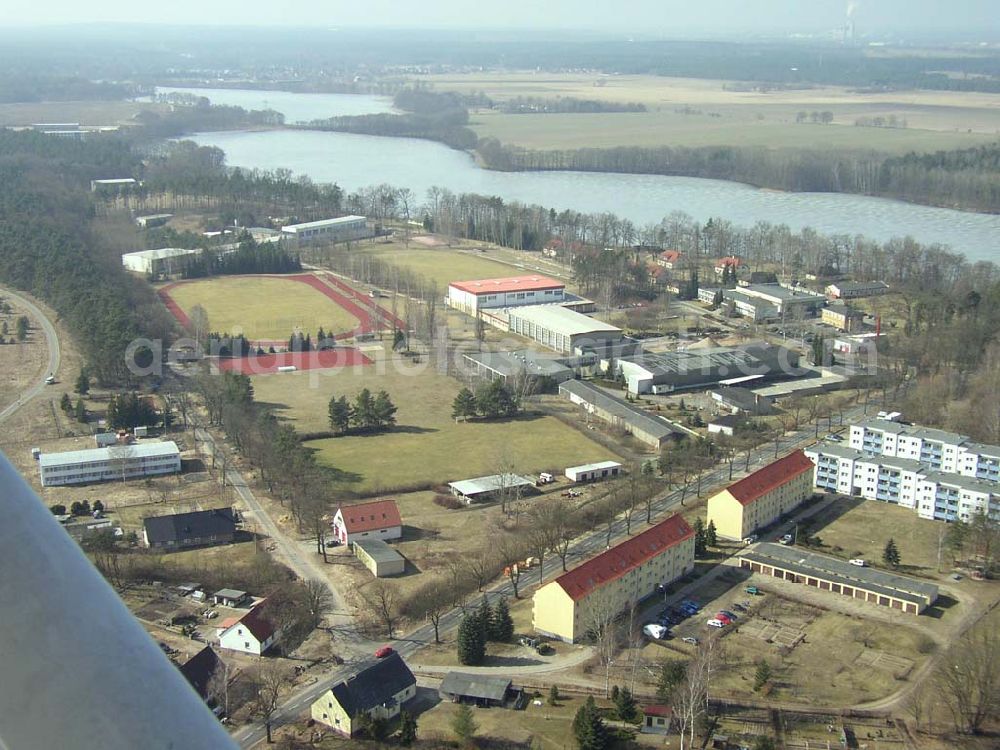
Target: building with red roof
point(568, 607)
point(761, 498)
point(375, 520)
point(511, 291)
point(253, 633)
point(669, 258)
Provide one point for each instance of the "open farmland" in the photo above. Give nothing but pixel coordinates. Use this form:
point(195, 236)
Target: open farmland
point(85, 112)
point(262, 307)
point(427, 447)
point(689, 112)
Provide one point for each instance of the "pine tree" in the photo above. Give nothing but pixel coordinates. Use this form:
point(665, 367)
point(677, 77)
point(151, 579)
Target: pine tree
point(553, 692)
point(407, 728)
point(340, 414)
point(83, 382)
point(672, 674)
point(363, 414)
point(66, 403)
point(484, 616)
point(699, 537)
point(22, 328)
point(502, 624)
point(463, 725)
point(80, 411)
point(471, 643)
point(383, 410)
point(625, 704)
point(890, 555)
point(464, 405)
point(711, 536)
point(761, 676)
point(588, 727)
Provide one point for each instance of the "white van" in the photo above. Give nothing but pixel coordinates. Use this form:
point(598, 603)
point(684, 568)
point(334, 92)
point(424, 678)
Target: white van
point(859, 562)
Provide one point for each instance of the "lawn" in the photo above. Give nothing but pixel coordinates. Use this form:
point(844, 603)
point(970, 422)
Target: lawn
point(860, 528)
point(262, 307)
point(443, 265)
point(427, 446)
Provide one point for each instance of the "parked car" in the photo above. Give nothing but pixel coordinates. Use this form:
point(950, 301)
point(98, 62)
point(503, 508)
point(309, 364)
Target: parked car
point(835, 437)
point(715, 623)
point(786, 539)
point(50, 380)
point(381, 653)
point(728, 614)
point(655, 631)
point(859, 561)
point(738, 607)
point(750, 539)
point(723, 618)
point(690, 639)
point(752, 590)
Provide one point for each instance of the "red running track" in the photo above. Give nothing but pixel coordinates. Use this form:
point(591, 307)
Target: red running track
point(267, 364)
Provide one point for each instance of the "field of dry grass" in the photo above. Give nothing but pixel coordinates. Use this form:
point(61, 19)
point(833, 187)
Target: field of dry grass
point(85, 113)
point(21, 363)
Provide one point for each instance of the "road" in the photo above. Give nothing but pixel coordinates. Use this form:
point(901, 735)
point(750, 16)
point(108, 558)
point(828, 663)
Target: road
point(54, 353)
point(583, 547)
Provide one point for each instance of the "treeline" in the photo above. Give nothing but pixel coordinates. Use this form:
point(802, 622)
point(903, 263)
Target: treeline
point(973, 185)
point(47, 248)
point(430, 115)
point(533, 105)
point(25, 87)
point(365, 413)
point(250, 257)
point(203, 117)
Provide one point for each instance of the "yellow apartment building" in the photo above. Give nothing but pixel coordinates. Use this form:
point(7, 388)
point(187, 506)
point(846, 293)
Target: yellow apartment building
point(763, 497)
point(615, 580)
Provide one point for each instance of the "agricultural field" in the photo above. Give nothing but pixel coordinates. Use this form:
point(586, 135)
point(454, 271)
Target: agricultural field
point(262, 307)
point(427, 446)
point(689, 112)
point(85, 112)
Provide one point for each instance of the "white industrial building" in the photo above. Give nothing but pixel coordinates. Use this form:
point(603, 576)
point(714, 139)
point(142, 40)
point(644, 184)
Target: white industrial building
point(117, 183)
point(161, 260)
point(563, 330)
point(932, 494)
point(593, 472)
point(497, 294)
point(107, 464)
point(856, 289)
point(938, 449)
point(341, 229)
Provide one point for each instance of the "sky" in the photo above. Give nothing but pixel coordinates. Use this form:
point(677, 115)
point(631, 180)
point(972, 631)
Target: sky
point(656, 17)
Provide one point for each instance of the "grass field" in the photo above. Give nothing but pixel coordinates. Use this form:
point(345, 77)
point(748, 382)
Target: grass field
point(693, 112)
point(443, 265)
point(262, 307)
point(85, 113)
point(427, 446)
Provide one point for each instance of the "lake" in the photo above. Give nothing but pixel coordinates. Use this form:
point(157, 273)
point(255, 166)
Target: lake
point(355, 161)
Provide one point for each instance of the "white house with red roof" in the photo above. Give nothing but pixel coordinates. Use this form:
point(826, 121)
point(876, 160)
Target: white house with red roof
point(511, 291)
point(668, 259)
point(375, 520)
point(761, 498)
point(730, 261)
point(614, 581)
point(252, 633)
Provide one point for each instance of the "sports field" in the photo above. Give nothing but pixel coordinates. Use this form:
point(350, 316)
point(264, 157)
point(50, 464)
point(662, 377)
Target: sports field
point(427, 446)
point(695, 112)
point(443, 265)
point(262, 307)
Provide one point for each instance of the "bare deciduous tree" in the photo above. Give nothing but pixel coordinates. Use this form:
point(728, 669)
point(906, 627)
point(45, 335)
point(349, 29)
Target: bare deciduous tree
point(431, 601)
point(968, 679)
point(268, 680)
point(381, 597)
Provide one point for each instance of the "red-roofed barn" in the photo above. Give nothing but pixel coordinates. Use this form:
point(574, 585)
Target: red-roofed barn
point(376, 520)
point(615, 580)
point(761, 498)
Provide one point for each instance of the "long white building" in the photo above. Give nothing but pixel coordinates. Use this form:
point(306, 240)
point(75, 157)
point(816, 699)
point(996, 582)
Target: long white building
point(341, 229)
point(108, 464)
point(511, 291)
point(161, 259)
point(932, 494)
point(939, 450)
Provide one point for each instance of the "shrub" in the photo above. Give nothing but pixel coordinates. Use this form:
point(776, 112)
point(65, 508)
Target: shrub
point(58, 510)
point(448, 501)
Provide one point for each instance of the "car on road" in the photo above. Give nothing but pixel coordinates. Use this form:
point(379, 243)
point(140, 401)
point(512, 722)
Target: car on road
point(690, 639)
point(50, 380)
point(859, 561)
point(753, 590)
point(750, 539)
point(381, 653)
point(835, 437)
point(715, 623)
point(786, 539)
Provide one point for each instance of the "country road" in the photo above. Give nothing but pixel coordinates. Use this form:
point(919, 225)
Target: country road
point(55, 355)
point(583, 548)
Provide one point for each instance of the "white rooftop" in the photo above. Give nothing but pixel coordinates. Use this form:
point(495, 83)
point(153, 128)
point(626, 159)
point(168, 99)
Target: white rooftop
point(91, 455)
point(561, 319)
point(595, 466)
point(322, 223)
point(491, 483)
point(160, 253)
point(116, 181)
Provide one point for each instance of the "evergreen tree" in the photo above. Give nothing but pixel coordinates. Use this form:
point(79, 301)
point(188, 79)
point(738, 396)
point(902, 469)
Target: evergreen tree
point(464, 405)
point(83, 382)
point(22, 328)
point(761, 676)
point(66, 403)
point(80, 411)
point(699, 537)
point(99, 506)
point(340, 414)
point(672, 674)
point(363, 413)
point(384, 411)
point(495, 399)
point(711, 536)
point(463, 724)
point(398, 340)
point(553, 691)
point(890, 555)
point(471, 643)
point(625, 704)
point(407, 728)
point(588, 727)
point(502, 624)
point(485, 617)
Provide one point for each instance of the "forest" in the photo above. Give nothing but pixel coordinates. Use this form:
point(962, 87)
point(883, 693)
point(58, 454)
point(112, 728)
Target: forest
point(250, 257)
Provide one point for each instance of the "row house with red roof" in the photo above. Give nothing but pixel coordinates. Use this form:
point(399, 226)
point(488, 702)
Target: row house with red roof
point(761, 498)
point(375, 520)
point(616, 580)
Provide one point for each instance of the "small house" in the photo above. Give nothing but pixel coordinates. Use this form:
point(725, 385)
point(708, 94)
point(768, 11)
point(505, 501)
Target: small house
point(252, 633)
point(657, 719)
point(207, 674)
point(379, 689)
point(594, 472)
point(229, 597)
point(375, 520)
point(479, 689)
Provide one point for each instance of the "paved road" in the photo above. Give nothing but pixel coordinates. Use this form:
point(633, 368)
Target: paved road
point(54, 353)
point(584, 547)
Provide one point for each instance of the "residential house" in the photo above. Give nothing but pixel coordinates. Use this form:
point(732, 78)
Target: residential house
point(760, 499)
point(200, 528)
point(375, 520)
point(378, 689)
point(615, 580)
point(252, 633)
point(669, 259)
point(843, 317)
point(207, 674)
